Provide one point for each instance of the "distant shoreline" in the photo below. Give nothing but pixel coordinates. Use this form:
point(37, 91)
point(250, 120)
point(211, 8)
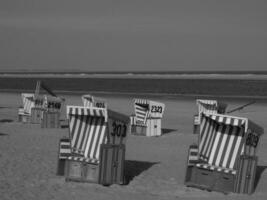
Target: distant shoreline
point(221, 76)
point(199, 87)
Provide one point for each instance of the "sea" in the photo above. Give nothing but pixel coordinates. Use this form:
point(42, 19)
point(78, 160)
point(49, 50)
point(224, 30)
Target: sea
point(251, 84)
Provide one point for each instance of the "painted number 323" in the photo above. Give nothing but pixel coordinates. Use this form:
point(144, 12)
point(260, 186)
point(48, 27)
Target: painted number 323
point(119, 130)
point(156, 109)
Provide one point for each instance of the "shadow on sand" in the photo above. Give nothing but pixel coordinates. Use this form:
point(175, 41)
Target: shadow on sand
point(259, 172)
point(167, 130)
point(3, 134)
point(6, 120)
point(134, 168)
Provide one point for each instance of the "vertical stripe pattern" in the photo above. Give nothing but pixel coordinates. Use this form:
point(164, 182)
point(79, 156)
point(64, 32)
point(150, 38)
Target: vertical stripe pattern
point(221, 139)
point(87, 130)
point(141, 113)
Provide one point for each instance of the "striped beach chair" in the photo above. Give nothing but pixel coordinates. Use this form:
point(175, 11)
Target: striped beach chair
point(225, 158)
point(207, 106)
point(91, 101)
point(89, 129)
point(51, 112)
point(147, 118)
point(28, 103)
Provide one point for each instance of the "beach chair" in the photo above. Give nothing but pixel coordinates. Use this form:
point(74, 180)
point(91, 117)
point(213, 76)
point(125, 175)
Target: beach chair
point(225, 157)
point(207, 106)
point(91, 101)
point(24, 114)
point(96, 146)
point(147, 118)
point(51, 113)
point(38, 109)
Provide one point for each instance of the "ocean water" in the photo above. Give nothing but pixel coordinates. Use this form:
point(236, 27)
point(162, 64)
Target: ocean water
point(222, 84)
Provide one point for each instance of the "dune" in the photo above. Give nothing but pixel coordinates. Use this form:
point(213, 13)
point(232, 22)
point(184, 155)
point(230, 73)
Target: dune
point(155, 167)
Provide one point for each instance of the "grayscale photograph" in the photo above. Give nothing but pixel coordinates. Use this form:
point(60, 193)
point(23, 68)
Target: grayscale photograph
point(133, 99)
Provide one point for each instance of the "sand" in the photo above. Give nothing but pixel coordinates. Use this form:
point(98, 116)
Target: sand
point(155, 167)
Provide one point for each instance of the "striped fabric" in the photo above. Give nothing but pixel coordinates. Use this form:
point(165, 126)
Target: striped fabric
point(28, 102)
point(221, 140)
point(192, 155)
point(87, 130)
point(83, 159)
point(208, 106)
point(216, 168)
point(141, 113)
point(64, 148)
point(87, 100)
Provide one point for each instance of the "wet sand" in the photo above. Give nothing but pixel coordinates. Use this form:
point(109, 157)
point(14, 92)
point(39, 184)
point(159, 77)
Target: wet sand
point(155, 167)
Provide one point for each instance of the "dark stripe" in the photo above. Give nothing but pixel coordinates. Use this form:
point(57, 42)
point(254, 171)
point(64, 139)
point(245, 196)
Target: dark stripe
point(226, 146)
point(217, 148)
point(233, 146)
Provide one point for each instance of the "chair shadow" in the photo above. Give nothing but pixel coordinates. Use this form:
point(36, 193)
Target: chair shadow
point(133, 168)
point(6, 120)
point(259, 171)
point(3, 134)
point(167, 130)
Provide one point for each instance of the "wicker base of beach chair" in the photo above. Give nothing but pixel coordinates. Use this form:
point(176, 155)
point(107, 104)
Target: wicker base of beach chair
point(50, 119)
point(24, 118)
point(112, 164)
point(246, 174)
point(139, 130)
point(74, 170)
point(36, 115)
point(210, 180)
point(91, 172)
point(78, 169)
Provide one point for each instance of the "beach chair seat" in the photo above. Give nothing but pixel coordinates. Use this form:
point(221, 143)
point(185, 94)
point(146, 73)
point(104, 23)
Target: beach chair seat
point(215, 163)
point(147, 118)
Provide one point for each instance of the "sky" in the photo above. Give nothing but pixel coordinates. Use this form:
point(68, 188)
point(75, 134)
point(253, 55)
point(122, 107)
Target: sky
point(136, 35)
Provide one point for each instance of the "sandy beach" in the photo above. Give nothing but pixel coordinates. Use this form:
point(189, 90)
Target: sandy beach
point(155, 167)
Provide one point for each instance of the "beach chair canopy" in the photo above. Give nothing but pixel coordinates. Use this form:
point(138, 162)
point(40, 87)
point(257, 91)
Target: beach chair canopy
point(210, 106)
point(91, 101)
point(28, 102)
point(147, 108)
point(52, 103)
point(224, 138)
point(87, 127)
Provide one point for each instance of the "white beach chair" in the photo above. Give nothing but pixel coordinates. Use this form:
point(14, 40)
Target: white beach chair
point(147, 118)
point(91, 101)
point(28, 103)
point(207, 106)
point(225, 158)
point(90, 130)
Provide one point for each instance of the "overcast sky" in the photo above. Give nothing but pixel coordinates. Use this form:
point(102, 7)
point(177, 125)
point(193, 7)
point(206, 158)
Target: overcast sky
point(133, 35)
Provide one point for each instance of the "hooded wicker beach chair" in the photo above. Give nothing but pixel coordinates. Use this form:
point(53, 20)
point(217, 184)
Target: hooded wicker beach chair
point(91, 101)
point(147, 118)
point(225, 158)
point(207, 106)
point(28, 103)
point(51, 112)
point(91, 133)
